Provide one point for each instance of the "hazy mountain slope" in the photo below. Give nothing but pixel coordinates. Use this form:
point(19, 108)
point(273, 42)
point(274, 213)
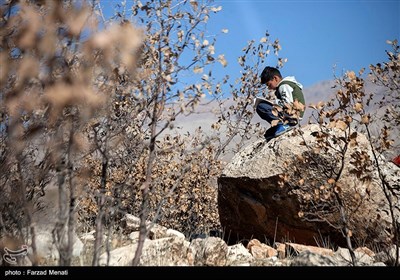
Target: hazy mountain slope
point(321, 91)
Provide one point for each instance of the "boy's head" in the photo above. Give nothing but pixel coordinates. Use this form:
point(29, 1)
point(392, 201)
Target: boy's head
point(271, 77)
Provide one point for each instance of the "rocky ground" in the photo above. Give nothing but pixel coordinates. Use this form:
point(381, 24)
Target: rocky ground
point(167, 247)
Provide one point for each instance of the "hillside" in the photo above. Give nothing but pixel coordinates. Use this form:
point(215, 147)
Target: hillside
point(205, 116)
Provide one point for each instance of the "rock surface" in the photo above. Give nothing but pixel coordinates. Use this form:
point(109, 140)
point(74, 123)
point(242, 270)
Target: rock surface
point(263, 191)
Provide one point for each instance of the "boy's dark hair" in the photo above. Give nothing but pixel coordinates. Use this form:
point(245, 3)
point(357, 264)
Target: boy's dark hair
point(268, 74)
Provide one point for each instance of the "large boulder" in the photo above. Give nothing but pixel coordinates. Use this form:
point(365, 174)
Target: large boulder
point(282, 190)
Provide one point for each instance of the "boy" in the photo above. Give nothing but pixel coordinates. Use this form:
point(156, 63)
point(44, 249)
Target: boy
point(290, 103)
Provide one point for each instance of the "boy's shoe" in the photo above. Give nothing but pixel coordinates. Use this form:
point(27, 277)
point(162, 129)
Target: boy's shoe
point(270, 133)
point(282, 128)
point(275, 131)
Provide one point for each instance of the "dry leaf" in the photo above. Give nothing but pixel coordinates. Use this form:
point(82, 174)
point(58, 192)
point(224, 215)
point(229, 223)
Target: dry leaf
point(358, 107)
point(365, 119)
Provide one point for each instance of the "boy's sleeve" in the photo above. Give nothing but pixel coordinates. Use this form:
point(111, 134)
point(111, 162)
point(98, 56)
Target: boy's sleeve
point(286, 93)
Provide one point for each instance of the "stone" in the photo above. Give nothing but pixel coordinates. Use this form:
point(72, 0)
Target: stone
point(264, 189)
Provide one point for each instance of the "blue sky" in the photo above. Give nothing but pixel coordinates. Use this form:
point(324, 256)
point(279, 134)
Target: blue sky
point(319, 38)
point(314, 35)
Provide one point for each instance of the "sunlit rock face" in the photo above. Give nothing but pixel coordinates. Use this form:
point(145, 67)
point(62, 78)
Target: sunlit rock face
point(281, 191)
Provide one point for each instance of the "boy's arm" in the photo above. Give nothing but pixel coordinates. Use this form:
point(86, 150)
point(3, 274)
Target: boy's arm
point(286, 94)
